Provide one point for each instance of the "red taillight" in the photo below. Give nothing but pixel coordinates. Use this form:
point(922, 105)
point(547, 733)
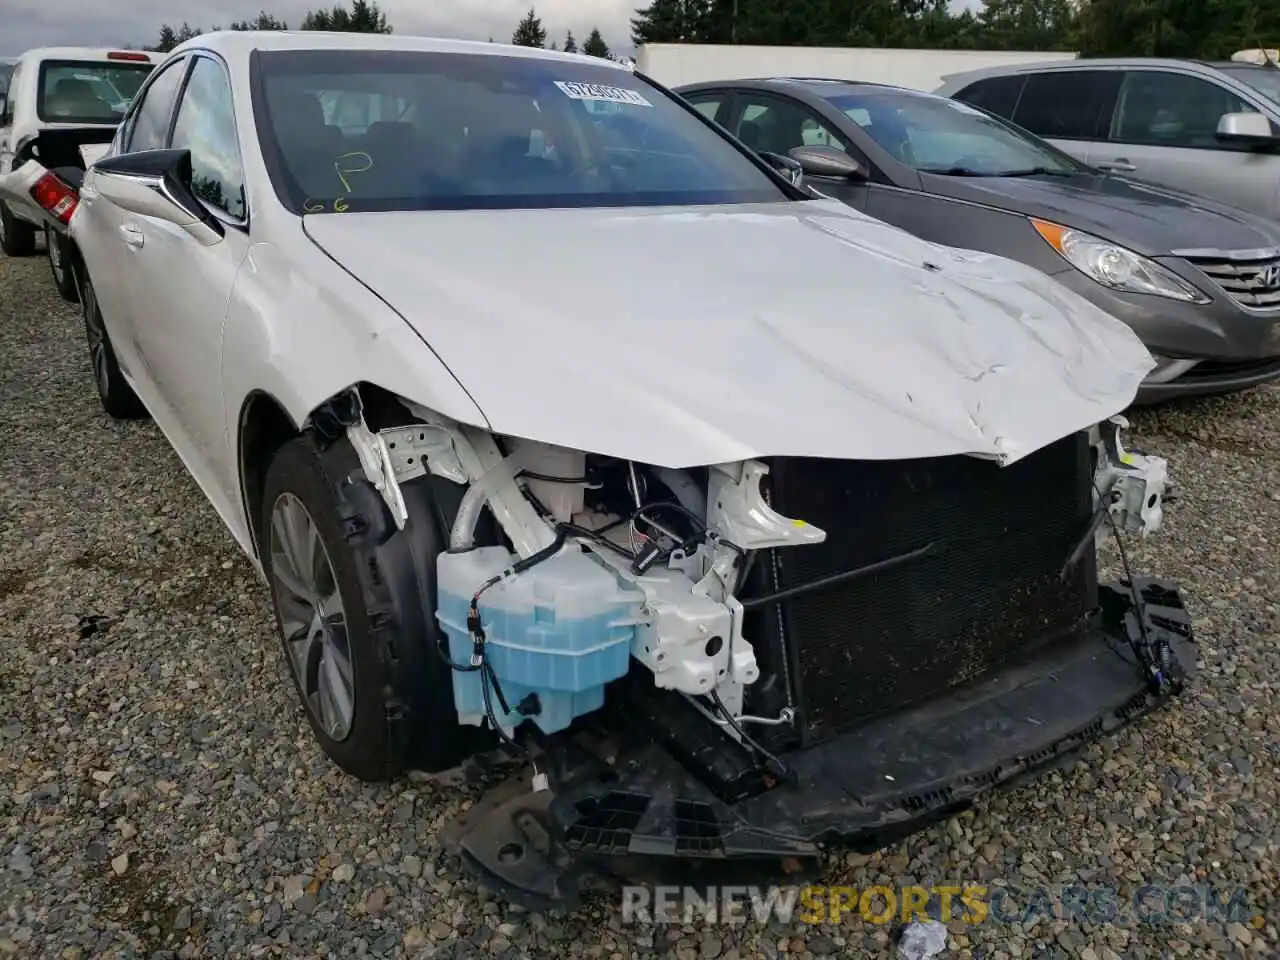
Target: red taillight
point(128, 55)
point(55, 196)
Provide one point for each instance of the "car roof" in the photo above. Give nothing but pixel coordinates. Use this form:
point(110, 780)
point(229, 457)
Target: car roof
point(1088, 63)
point(824, 84)
point(819, 86)
point(236, 44)
point(86, 53)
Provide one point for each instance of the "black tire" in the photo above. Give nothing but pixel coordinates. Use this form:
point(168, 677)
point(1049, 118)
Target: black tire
point(17, 237)
point(403, 717)
point(116, 396)
point(61, 266)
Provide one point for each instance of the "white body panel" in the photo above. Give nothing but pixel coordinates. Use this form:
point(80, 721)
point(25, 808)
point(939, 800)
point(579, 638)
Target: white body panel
point(721, 334)
point(691, 336)
point(675, 64)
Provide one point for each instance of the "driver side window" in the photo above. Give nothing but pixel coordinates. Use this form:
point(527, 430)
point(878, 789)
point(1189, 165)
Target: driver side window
point(776, 125)
point(206, 126)
point(1173, 110)
point(148, 127)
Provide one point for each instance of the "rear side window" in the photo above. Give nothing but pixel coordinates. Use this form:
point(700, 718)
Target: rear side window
point(999, 95)
point(1068, 104)
point(87, 91)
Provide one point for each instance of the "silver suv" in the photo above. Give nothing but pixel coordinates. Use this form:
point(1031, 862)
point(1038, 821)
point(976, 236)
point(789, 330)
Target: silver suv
point(1211, 129)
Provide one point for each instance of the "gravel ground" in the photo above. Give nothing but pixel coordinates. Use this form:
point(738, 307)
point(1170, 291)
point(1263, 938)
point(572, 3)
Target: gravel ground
point(160, 794)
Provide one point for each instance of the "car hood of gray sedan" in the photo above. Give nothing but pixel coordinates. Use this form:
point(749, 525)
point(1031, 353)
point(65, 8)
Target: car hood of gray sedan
point(1149, 220)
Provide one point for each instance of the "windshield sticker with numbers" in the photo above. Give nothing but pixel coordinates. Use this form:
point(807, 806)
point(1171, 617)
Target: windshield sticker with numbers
point(601, 91)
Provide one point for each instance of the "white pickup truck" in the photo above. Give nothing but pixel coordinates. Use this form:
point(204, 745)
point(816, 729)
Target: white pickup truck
point(61, 108)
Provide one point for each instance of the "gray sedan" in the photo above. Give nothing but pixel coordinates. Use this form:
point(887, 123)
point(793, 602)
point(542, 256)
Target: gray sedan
point(1197, 280)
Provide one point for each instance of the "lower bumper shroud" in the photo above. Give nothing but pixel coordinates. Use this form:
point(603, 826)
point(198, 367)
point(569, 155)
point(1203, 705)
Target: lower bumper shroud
point(649, 809)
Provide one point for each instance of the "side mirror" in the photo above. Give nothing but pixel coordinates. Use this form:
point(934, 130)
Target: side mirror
point(157, 183)
point(828, 162)
point(784, 165)
point(1245, 126)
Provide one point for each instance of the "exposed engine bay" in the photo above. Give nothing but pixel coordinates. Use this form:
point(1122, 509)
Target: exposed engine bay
point(737, 622)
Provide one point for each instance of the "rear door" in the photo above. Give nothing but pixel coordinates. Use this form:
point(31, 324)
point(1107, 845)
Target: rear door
point(1163, 130)
point(1069, 108)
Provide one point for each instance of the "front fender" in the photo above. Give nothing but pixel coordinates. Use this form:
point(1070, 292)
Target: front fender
point(300, 329)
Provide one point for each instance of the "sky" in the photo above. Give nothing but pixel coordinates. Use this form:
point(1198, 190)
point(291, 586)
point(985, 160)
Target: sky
point(42, 23)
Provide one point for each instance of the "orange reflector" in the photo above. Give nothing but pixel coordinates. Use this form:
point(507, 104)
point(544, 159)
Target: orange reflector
point(1052, 232)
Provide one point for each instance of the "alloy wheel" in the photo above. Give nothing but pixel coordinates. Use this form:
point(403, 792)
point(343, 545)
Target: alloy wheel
point(55, 253)
point(97, 336)
point(312, 617)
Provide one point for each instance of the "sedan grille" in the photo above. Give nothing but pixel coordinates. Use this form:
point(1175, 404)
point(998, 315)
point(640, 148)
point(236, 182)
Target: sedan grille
point(990, 595)
point(1250, 282)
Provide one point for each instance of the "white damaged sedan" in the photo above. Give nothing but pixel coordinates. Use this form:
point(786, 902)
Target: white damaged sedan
point(558, 420)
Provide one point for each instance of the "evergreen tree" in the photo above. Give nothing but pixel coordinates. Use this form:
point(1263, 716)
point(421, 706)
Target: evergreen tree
point(570, 44)
point(594, 45)
point(673, 21)
point(170, 38)
point(530, 32)
point(363, 17)
point(263, 21)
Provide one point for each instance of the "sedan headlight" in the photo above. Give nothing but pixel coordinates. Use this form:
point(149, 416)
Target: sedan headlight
point(1114, 266)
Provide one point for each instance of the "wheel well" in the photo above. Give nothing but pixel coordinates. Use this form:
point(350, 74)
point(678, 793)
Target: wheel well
point(264, 429)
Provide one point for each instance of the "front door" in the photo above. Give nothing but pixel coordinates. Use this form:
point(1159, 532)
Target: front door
point(103, 231)
point(189, 283)
point(773, 123)
point(1165, 132)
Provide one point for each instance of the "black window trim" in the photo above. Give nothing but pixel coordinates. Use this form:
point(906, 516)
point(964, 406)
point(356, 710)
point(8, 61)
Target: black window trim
point(1103, 123)
point(1219, 147)
point(182, 62)
point(196, 55)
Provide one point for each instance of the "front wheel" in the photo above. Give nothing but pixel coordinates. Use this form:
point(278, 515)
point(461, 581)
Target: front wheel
point(17, 237)
point(116, 396)
point(64, 275)
point(354, 604)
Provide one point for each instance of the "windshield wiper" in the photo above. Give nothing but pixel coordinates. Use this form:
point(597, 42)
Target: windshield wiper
point(956, 172)
point(1036, 172)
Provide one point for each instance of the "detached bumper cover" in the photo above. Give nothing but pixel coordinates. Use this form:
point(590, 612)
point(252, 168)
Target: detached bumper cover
point(641, 816)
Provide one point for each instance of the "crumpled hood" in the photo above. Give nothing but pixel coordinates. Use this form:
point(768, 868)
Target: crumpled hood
point(696, 335)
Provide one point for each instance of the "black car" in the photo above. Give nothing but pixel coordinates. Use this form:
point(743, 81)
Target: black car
point(1199, 281)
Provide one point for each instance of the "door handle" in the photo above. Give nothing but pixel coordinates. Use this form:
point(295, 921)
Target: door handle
point(132, 236)
point(1119, 165)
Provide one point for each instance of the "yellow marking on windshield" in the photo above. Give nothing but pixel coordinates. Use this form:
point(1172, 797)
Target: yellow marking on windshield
point(312, 206)
point(352, 164)
point(340, 205)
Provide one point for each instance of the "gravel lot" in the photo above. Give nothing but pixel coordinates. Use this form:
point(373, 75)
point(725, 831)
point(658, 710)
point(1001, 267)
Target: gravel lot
point(160, 794)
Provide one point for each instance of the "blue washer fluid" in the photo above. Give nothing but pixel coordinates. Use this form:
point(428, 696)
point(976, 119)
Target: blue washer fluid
point(561, 630)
